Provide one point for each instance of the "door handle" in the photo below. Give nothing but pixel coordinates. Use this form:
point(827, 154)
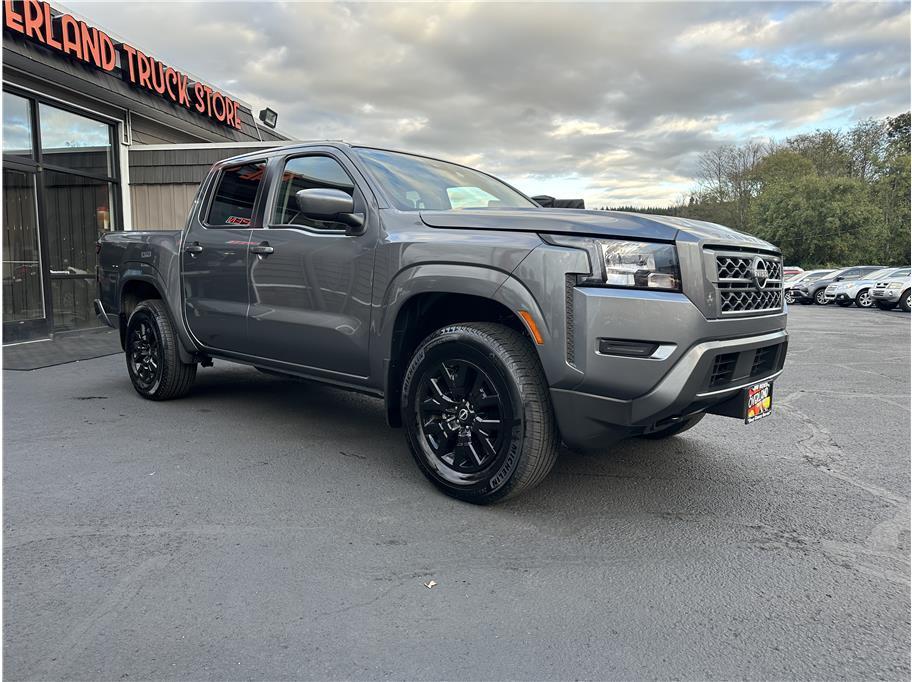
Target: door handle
point(262, 249)
point(193, 248)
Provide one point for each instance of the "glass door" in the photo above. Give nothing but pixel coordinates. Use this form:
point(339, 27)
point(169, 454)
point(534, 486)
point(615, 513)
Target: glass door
point(78, 195)
point(23, 290)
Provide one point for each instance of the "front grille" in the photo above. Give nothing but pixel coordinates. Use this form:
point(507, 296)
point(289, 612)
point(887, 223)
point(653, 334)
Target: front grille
point(749, 301)
point(739, 267)
point(723, 369)
point(738, 289)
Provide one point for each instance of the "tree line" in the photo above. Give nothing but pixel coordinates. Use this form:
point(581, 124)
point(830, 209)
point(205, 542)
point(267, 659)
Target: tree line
point(827, 198)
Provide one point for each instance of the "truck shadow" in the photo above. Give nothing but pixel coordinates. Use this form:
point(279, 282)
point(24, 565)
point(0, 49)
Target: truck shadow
point(630, 475)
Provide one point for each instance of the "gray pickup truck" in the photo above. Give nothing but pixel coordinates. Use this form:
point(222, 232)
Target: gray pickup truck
point(493, 328)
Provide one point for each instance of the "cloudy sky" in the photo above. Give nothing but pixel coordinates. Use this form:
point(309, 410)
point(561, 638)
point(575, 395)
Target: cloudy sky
point(612, 102)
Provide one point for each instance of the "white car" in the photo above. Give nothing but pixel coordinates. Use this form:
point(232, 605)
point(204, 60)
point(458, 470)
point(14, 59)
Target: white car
point(888, 293)
point(859, 291)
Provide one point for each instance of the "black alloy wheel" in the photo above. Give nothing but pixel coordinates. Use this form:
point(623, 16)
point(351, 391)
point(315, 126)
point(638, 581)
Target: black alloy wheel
point(145, 356)
point(153, 356)
point(477, 412)
point(462, 415)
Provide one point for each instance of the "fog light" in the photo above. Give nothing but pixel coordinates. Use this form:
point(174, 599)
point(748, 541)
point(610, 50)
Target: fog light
point(632, 349)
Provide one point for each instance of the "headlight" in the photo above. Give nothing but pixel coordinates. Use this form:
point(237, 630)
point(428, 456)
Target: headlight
point(622, 263)
point(894, 285)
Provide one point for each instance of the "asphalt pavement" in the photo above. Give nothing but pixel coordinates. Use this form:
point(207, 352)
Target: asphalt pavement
point(270, 529)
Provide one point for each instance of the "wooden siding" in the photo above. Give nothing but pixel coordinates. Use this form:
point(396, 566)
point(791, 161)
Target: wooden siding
point(161, 207)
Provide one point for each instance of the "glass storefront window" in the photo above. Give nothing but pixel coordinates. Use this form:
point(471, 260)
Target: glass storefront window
point(22, 282)
point(17, 126)
point(72, 141)
point(79, 209)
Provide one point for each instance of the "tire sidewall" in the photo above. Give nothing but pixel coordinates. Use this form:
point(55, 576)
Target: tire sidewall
point(146, 313)
point(819, 297)
point(859, 297)
point(494, 481)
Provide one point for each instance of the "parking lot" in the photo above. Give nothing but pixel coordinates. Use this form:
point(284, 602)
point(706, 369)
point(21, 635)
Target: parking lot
point(276, 529)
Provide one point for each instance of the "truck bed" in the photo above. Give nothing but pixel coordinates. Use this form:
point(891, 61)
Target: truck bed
point(152, 256)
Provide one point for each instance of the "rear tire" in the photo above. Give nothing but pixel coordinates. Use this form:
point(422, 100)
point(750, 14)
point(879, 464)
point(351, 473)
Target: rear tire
point(477, 412)
point(904, 302)
point(864, 299)
point(153, 360)
point(884, 305)
point(675, 429)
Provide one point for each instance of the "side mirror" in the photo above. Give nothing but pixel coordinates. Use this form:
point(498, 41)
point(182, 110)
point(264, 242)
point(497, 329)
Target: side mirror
point(839, 279)
point(330, 204)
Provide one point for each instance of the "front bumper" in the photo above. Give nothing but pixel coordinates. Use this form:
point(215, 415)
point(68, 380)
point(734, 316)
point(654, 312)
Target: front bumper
point(591, 421)
point(886, 295)
point(699, 363)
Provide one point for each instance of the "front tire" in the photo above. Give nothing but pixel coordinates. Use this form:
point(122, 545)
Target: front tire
point(864, 299)
point(153, 360)
point(904, 302)
point(820, 297)
point(789, 297)
point(477, 412)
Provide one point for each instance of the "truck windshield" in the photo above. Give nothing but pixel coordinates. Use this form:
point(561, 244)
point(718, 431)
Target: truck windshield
point(416, 183)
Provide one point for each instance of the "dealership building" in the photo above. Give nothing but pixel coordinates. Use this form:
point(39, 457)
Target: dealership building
point(98, 135)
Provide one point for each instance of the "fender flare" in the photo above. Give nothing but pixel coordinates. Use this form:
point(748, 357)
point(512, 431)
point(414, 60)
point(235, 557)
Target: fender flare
point(442, 278)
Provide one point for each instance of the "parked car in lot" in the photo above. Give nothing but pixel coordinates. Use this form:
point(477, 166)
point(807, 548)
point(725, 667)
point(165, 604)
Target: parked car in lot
point(815, 292)
point(492, 327)
point(888, 293)
point(858, 291)
point(790, 270)
point(802, 277)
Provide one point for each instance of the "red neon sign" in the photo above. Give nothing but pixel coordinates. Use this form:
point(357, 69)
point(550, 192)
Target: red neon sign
point(35, 20)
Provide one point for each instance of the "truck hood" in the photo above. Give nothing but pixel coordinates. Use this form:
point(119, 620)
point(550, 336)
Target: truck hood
point(595, 223)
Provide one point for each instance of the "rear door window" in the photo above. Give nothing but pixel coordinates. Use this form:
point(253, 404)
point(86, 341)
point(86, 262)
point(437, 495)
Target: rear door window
point(235, 195)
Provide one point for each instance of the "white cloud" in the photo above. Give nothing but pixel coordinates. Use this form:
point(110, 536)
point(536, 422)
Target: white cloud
point(557, 95)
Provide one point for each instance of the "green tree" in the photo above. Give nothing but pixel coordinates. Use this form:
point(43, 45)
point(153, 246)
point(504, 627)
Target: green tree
point(783, 165)
point(818, 220)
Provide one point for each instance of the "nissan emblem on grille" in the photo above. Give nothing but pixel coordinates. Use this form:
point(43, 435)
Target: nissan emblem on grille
point(759, 273)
